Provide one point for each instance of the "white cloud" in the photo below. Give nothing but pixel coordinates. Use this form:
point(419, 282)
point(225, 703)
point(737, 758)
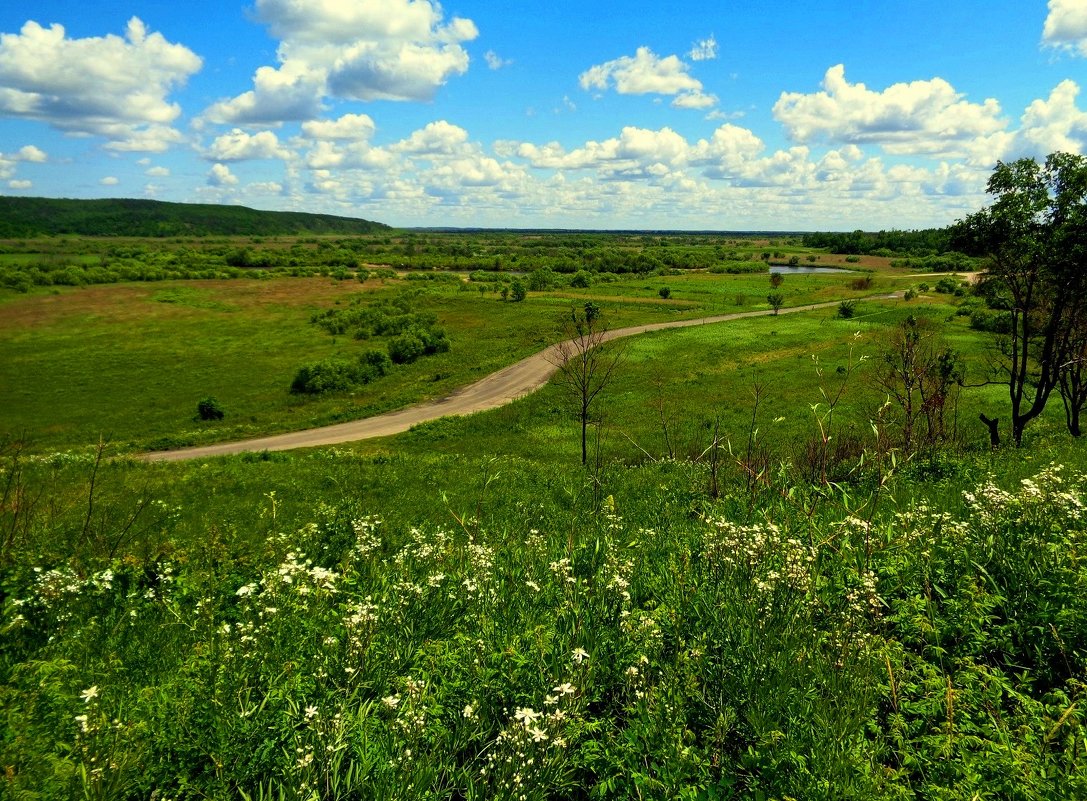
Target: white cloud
point(107, 86)
point(20, 185)
point(239, 146)
point(643, 73)
point(349, 127)
point(1052, 124)
point(704, 50)
point(31, 153)
point(360, 50)
point(494, 61)
point(109, 180)
point(922, 117)
point(220, 175)
point(438, 137)
point(1066, 26)
point(158, 172)
point(694, 100)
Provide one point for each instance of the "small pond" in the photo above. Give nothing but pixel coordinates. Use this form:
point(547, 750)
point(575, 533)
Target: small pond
point(785, 269)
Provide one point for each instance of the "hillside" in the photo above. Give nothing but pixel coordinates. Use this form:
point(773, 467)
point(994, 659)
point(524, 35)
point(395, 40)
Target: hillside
point(22, 217)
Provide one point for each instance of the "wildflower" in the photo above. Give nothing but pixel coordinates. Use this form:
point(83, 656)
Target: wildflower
point(89, 693)
point(580, 655)
point(468, 712)
point(527, 716)
point(311, 712)
point(246, 589)
point(538, 734)
point(566, 688)
point(82, 721)
point(391, 701)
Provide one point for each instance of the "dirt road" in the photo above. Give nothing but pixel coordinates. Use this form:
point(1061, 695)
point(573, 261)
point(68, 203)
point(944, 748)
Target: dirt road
point(490, 392)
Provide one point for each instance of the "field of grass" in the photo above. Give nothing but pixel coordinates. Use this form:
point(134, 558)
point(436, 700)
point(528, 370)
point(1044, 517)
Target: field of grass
point(465, 612)
point(129, 363)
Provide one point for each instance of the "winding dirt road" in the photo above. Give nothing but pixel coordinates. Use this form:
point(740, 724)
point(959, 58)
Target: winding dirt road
point(490, 392)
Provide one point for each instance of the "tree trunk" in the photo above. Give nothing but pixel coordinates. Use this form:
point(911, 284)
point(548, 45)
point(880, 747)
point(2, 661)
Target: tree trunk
point(994, 430)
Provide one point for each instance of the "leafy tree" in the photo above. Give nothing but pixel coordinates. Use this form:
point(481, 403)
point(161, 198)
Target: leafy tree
point(776, 301)
point(518, 291)
point(776, 280)
point(587, 360)
point(665, 292)
point(1035, 236)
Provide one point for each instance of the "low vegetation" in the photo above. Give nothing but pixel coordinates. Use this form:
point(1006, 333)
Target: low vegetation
point(789, 563)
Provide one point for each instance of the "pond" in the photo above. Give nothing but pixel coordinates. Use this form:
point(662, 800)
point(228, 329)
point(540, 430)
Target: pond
point(785, 269)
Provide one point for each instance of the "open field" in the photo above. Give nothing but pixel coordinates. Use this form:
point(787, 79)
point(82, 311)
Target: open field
point(753, 590)
point(129, 363)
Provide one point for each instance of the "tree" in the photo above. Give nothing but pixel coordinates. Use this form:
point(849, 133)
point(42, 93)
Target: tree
point(518, 291)
point(923, 375)
point(586, 359)
point(776, 301)
point(776, 280)
point(1035, 236)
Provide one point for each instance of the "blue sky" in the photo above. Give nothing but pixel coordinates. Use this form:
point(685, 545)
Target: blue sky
point(734, 115)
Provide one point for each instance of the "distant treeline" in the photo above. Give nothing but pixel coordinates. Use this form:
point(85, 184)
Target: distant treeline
point(926, 242)
point(24, 217)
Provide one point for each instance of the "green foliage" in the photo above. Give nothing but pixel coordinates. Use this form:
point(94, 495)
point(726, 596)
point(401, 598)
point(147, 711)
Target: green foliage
point(581, 280)
point(209, 409)
point(500, 630)
point(664, 292)
point(30, 216)
point(518, 292)
point(847, 309)
point(340, 375)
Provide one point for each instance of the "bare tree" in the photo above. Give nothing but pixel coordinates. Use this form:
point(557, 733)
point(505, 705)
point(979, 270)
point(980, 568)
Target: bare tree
point(586, 360)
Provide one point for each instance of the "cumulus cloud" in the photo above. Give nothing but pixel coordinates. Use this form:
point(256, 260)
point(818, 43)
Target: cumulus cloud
point(922, 117)
point(110, 180)
point(438, 137)
point(158, 172)
point(704, 50)
point(1055, 123)
point(240, 146)
point(107, 86)
point(220, 175)
point(20, 184)
point(643, 73)
point(362, 50)
point(1066, 26)
point(349, 127)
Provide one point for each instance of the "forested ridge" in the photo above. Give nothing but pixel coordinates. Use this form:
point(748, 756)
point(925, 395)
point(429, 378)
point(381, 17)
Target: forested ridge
point(22, 217)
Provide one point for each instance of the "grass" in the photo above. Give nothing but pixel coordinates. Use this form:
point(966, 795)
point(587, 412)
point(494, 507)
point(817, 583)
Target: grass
point(128, 363)
point(463, 612)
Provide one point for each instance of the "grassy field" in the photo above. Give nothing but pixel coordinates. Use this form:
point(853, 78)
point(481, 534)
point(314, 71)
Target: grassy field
point(465, 612)
point(129, 363)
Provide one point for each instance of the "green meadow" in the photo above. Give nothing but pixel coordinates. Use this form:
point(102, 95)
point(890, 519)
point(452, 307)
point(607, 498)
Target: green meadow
point(753, 589)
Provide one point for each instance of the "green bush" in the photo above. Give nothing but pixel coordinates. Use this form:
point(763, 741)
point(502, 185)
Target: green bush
point(406, 348)
point(847, 309)
point(209, 409)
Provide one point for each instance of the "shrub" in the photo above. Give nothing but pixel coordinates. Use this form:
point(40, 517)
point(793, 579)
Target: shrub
point(330, 375)
point(406, 348)
point(518, 291)
point(847, 309)
point(209, 409)
point(664, 292)
point(581, 280)
point(864, 282)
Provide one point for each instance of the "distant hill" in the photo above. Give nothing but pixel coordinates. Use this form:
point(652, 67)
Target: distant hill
point(22, 217)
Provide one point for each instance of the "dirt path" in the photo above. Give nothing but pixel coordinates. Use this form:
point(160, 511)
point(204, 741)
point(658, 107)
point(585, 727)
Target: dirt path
point(490, 392)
